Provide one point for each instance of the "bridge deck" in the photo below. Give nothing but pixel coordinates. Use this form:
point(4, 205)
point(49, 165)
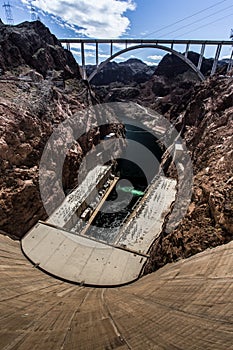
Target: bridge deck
point(146, 41)
point(161, 44)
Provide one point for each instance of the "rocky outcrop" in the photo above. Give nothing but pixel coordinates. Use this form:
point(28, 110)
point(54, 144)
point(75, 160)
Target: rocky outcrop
point(208, 131)
point(130, 71)
point(32, 44)
point(171, 65)
point(31, 108)
point(29, 115)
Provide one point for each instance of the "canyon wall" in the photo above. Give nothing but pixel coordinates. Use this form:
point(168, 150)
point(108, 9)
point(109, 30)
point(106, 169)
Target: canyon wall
point(40, 87)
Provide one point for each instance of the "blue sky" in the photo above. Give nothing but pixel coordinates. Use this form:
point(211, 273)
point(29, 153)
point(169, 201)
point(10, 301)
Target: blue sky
point(179, 19)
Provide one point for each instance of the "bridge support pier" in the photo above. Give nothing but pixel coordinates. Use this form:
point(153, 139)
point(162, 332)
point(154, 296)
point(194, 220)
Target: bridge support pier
point(217, 54)
point(84, 74)
point(230, 64)
point(187, 50)
point(97, 54)
point(201, 57)
point(111, 49)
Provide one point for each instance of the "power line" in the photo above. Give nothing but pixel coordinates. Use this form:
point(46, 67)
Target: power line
point(183, 19)
point(198, 20)
point(207, 24)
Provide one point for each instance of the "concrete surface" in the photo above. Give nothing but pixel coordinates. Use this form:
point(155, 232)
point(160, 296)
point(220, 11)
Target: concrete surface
point(76, 198)
point(80, 259)
point(146, 224)
point(185, 305)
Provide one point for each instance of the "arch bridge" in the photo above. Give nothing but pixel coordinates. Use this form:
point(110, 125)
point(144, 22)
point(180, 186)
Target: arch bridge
point(127, 45)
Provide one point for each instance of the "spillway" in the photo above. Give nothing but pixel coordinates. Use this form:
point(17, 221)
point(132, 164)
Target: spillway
point(74, 256)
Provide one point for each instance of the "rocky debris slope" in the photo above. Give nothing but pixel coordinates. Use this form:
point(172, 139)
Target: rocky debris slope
point(205, 114)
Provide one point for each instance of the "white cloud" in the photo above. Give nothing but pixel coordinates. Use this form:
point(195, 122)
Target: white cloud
point(155, 57)
point(120, 58)
point(119, 46)
point(226, 57)
point(95, 18)
point(149, 63)
point(87, 46)
point(103, 55)
point(87, 54)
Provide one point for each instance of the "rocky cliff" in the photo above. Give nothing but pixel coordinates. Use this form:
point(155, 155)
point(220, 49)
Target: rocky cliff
point(131, 71)
point(31, 44)
point(40, 87)
point(171, 65)
point(205, 114)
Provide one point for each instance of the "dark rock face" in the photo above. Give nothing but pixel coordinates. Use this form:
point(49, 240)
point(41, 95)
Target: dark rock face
point(32, 44)
point(132, 70)
point(159, 88)
point(171, 65)
point(112, 73)
point(140, 70)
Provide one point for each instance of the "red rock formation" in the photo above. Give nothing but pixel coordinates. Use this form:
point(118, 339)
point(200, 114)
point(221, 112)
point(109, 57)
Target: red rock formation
point(29, 112)
point(208, 131)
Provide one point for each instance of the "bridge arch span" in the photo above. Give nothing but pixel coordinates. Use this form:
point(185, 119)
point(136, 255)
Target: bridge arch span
point(153, 46)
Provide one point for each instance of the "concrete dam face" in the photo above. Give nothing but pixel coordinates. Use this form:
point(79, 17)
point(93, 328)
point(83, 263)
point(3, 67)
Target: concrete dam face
point(184, 305)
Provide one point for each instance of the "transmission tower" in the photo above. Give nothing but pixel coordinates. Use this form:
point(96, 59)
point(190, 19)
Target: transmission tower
point(32, 11)
point(8, 13)
point(34, 16)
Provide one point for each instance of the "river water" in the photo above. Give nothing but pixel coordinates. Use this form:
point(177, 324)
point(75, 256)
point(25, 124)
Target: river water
point(137, 167)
